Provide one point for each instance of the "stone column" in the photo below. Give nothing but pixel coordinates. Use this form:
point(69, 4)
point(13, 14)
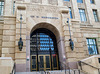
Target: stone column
point(28, 53)
point(8, 9)
point(75, 9)
point(20, 56)
point(70, 55)
point(61, 50)
point(89, 10)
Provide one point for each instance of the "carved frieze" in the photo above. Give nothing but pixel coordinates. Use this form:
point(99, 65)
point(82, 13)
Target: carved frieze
point(40, 8)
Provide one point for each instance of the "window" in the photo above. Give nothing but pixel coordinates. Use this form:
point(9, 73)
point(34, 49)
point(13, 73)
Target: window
point(1, 7)
point(79, 1)
point(13, 7)
point(70, 11)
point(66, 0)
point(92, 48)
point(95, 15)
point(92, 1)
point(82, 15)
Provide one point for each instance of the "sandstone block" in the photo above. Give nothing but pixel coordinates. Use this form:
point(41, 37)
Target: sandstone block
point(9, 32)
point(9, 22)
point(71, 60)
point(1, 27)
point(80, 55)
point(77, 35)
point(23, 31)
point(80, 39)
point(20, 61)
point(8, 38)
point(8, 50)
point(11, 27)
point(71, 54)
point(1, 32)
point(20, 55)
point(78, 45)
point(0, 37)
point(80, 50)
point(8, 44)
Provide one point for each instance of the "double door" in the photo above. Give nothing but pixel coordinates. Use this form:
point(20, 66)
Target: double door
point(43, 63)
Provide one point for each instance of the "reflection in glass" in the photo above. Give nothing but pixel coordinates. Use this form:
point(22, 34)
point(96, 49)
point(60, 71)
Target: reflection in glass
point(92, 48)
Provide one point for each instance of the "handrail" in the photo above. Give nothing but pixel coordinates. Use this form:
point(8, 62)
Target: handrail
point(69, 68)
point(79, 62)
point(88, 64)
point(13, 70)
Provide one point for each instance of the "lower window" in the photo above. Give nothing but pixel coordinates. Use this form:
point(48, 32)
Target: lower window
point(92, 47)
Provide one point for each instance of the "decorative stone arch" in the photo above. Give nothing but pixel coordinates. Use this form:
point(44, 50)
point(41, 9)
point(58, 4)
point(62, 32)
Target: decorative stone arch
point(59, 38)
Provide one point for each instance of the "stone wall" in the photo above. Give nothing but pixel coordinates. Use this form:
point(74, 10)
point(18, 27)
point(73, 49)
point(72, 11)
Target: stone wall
point(1, 32)
point(8, 38)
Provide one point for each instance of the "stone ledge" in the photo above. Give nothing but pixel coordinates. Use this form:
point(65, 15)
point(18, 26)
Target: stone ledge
point(5, 58)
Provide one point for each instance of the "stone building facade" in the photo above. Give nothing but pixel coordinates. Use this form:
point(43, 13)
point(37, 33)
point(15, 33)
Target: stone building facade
point(51, 15)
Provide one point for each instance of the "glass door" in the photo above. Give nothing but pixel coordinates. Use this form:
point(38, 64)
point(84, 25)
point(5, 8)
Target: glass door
point(44, 62)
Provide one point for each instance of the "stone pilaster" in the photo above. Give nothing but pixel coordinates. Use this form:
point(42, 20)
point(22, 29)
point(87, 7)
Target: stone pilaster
point(20, 56)
point(75, 9)
point(70, 55)
point(1, 33)
point(8, 38)
point(78, 40)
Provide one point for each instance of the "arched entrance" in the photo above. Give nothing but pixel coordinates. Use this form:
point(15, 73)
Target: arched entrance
point(43, 50)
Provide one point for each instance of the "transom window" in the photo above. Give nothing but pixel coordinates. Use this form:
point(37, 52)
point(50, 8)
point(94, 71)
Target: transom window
point(92, 1)
point(1, 7)
point(66, 0)
point(82, 15)
point(79, 1)
point(95, 15)
point(92, 47)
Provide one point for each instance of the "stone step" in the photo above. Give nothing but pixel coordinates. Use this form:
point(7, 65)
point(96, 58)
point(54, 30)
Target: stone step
point(52, 72)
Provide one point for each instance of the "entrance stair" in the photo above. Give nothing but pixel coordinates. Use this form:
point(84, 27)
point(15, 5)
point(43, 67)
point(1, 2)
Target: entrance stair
point(75, 71)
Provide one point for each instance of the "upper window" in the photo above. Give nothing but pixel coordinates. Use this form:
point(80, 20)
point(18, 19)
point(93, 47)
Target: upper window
point(79, 1)
point(95, 15)
point(92, 1)
point(82, 15)
point(13, 7)
point(92, 47)
point(66, 0)
point(1, 7)
point(70, 11)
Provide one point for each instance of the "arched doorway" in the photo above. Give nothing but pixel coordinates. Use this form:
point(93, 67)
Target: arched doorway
point(43, 50)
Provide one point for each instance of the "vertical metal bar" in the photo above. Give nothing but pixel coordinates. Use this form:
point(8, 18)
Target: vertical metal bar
point(79, 71)
point(38, 64)
point(69, 71)
point(74, 71)
point(65, 69)
point(20, 24)
point(50, 54)
point(98, 71)
point(69, 27)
